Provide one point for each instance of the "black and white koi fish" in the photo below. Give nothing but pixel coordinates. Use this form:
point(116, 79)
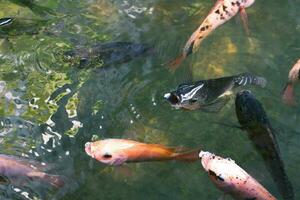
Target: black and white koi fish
point(207, 94)
point(254, 120)
point(223, 11)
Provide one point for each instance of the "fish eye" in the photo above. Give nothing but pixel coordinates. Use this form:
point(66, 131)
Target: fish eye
point(107, 156)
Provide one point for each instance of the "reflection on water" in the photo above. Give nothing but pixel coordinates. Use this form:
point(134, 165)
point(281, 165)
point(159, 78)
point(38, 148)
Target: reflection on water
point(49, 109)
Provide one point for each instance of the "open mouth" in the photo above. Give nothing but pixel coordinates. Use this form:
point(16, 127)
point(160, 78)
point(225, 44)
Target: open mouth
point(172, 98)
point(88, 149)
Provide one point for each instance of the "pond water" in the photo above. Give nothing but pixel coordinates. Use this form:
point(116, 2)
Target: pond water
point(49, 109)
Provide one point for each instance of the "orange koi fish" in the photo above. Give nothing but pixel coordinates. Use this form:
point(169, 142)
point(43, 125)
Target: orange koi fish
point(223, 11)
point(294, 75)
point(232, 179)
point(120, 151)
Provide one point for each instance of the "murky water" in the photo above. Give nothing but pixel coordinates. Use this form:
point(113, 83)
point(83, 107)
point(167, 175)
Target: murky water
point(49, 109)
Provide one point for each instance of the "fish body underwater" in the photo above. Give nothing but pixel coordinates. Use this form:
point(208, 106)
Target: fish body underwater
point(120, 151)
point(105, 54)
point(13, 26)
point(294, 75)
point(232, 179)
point(207, 94)
point(17, 170)
point(223, 11)
point(253, 119)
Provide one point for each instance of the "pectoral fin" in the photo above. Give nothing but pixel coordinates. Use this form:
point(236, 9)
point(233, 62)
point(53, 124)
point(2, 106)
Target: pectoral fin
point(244, 19)
point(174, 64)
point(217, 105)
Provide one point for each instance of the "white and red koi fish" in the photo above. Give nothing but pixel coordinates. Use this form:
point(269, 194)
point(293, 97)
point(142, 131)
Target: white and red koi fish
point(17, 170)
point(223, 11)
point(294, 75)
point(232, 179)
point(120, 151)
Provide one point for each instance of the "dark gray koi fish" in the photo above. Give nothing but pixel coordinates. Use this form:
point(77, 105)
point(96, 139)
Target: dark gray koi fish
point(105, 54)
point(208, 95)
point(254, 120)
point(222, 12)
point(16, 170)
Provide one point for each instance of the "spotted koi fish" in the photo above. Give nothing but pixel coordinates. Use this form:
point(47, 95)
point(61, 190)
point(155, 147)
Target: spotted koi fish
point(232, 179)
point(223, 11)
point(294, 75)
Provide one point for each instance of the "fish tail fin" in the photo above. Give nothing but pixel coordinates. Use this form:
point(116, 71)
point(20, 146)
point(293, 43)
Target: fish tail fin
point(174, 64)
point(288, 96)
point(245, 78)
point(54, 180)
point(189, 156)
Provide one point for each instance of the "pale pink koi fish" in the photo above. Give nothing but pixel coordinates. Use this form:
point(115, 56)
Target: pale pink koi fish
point(17, 170)
point(232, 179)
point(294, 75)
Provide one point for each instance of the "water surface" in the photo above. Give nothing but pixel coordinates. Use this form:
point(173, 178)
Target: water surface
point(49, 109)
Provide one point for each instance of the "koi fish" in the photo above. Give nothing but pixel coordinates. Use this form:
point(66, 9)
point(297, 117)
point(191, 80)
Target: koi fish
point(223, 11)
point(294, 75)
point(105, 54)
point(254, 120)
point(120, 151)
point(207, 95)
point(232, 179)
point(17, 170)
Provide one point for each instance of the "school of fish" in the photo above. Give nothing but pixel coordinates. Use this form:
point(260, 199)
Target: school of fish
point(207, 95)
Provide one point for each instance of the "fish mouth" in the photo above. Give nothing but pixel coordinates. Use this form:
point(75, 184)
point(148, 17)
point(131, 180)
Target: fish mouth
point(172, 98)
point(88, 149)
point(242, 98)
point(205, 157)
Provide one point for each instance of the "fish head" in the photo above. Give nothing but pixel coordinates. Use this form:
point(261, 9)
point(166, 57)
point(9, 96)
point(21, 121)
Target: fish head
point(186, 96)
point(110, 151)
point(76, 57)
point(219, 170)
point(249, 110)
point(248, 3)
point(294, 74)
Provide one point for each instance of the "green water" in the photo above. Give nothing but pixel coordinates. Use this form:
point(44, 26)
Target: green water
point(126, 100)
